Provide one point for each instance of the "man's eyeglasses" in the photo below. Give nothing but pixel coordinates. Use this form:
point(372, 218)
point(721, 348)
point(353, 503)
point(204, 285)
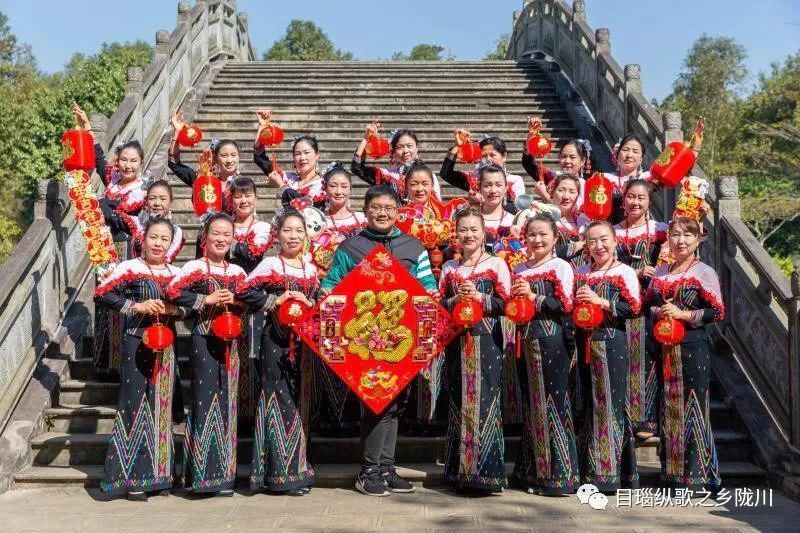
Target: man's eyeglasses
point(376, 209)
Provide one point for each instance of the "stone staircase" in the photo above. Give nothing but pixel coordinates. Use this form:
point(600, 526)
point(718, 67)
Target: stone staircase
point(335, 101)
point(71, 451)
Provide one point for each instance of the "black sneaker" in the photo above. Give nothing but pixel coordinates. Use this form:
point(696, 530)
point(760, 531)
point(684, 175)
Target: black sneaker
point(371, 483)
point(394, 482)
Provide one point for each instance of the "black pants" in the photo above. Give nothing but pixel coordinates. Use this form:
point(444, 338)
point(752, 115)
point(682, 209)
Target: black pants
point(379, 433)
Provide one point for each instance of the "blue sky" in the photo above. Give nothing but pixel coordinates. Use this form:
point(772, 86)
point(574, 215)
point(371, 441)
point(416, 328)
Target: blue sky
point(654, 34)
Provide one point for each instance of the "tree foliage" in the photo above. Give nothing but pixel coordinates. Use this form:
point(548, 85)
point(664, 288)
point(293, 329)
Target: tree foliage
point(423, 52)
point(305, 41)
point(753, 136)
point(500, 47)
point(36, 112)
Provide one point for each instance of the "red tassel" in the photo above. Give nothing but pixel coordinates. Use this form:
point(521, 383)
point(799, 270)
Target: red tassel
point(588, 347)
point(518, 344)
point(227, 357)
point(468, 348)
point(668, 362)
point(156, 368)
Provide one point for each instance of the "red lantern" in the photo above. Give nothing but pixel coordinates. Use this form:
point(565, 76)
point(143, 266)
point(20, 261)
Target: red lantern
point(470, 152)
point(597, 195)
point(467, 313)
point(227, 326)
point(587, 316)
point(207, 195)
point(271, 136)
point(520, 310)
point(674, 164)
point(378, 148)
point(189, 135)
point(292, 312)
point(78, 150)
point(158, 338)
point(538, 146)
point(670, 333)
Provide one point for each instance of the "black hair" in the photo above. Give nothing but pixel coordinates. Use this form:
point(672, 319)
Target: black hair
point(225, 142)
point(564, 177)
point(542, 217)
point(467, 212)
point(597, 224)
point(134, 145)
point(418, 166)
point(583, 153)
point(285, 215)
point(242, 185)
point(160, 183)
point(687, 223)
point(159, 221)
point(495, 142)
point(490, 169)
point(332, 170)
point(402, 133)
point(310, 139)
point(638, 182)
point(631, 137)
point(213, 218)
point(376, 191)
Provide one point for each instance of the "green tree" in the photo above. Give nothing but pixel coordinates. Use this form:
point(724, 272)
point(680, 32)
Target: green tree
point(305, 41)
point(500, 47)
point(711, 85)
point(423, 52)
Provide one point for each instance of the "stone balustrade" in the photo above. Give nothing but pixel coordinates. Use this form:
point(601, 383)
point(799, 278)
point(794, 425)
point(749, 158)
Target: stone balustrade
point(761, 323)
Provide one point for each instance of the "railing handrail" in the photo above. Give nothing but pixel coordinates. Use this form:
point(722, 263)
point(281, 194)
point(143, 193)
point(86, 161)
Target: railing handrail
point(614, 96)
point(49, 264)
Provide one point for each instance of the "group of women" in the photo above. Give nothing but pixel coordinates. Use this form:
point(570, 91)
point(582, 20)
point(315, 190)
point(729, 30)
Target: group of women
point(585, 396)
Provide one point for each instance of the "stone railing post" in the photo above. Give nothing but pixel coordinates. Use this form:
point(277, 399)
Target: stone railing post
point(794, 355)
point(133, 88)
point(727, 205)
point(99, 127)
point(673, 131)
point(602, 38)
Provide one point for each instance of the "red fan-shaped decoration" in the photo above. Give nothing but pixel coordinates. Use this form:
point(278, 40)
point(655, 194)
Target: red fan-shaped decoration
point(538, 145)
point(470, 152)
point(674, 164)
point(669, 331)
point(292, 312)
point(378, 147)
point(78, 150)
point(227, 326)
point(158, 337)
point(597, 203)
point(189, 135)
point(271, 136)
point(520, 310)
point(207, 195)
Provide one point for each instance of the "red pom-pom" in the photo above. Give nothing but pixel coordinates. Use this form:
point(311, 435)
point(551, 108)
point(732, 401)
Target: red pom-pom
point(189, 135)
point(470, 152)
point(378, 148)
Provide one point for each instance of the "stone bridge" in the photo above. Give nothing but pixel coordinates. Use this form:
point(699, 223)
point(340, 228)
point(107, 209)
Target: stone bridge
point(54, 419)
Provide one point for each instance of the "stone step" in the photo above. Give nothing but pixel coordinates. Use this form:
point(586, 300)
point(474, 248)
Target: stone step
point(415, 66)
point(333, 97)
point(517, 132)
point(378, 85)
point(401, 117)
point(422, 124)
point(71, 449)
point(397, 79)
point(400, 107)
point(434, 147)
point(734, 474)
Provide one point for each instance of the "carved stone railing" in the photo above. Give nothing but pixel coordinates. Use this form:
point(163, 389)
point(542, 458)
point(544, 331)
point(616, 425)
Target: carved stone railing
point(49, 265)
point(761, 324)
